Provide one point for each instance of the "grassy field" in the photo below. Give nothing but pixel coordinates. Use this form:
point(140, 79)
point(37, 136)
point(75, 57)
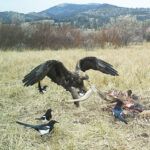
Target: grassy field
point(84, 128)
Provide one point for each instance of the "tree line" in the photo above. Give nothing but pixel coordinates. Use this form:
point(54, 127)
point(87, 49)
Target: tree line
point(43, 35)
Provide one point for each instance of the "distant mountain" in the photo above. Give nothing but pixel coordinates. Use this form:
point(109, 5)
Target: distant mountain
point(11, 17)
point(65, 10)
point(82, 15)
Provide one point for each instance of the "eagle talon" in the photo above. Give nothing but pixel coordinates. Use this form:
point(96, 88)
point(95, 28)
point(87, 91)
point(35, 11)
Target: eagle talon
point(41, 89)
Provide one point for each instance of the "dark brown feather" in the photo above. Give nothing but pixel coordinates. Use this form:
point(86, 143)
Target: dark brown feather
point(94, 63)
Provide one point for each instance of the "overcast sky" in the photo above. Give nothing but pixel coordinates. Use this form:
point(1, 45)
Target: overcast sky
point(26, 6)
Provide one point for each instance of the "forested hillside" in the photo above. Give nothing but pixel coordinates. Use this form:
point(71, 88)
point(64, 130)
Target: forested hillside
point(80, 15)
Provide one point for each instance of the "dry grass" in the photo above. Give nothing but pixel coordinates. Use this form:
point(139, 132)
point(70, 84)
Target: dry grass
point(85, 128)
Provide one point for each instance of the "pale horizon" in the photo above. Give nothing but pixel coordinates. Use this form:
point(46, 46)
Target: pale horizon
point(27, 6)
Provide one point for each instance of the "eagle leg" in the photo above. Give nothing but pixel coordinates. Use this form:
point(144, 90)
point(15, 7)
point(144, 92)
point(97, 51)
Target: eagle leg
point(41, 89)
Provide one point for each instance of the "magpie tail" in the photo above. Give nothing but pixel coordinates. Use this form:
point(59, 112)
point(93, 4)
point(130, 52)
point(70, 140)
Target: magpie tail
point(26, 125)
point(123, 120)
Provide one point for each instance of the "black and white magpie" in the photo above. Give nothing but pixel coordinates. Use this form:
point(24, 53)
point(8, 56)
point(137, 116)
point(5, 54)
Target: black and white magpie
point(42, 129)
point(47, 116)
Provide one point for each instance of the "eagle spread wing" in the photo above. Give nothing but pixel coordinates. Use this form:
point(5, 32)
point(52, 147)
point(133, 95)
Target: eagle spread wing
point(95, 64)
point(55, 70)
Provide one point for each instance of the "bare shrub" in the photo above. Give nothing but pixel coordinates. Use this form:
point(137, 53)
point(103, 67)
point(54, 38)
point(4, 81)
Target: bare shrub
point(11, 36)
point(43, 35)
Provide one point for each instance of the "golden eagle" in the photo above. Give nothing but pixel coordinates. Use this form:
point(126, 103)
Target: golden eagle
point(71, 81)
